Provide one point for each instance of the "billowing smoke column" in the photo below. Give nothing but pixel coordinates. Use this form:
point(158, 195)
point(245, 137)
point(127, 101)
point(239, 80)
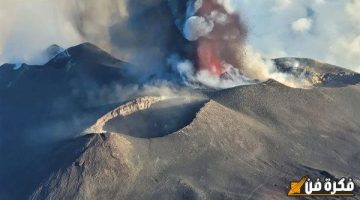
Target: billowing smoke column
point(204, 46)
point(217, 34)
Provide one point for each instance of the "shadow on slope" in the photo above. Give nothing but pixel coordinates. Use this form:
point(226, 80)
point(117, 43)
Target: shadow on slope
point(41, 105)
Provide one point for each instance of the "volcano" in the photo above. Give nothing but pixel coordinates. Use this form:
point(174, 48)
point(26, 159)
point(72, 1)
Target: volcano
point(67, 132)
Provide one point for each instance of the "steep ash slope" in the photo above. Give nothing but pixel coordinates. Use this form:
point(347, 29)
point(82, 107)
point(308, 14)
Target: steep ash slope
point(69, 84)
point(43, 104)
point(246, 143)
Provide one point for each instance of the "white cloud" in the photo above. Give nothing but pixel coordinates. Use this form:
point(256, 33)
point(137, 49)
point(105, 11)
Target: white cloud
point(302, 25)
point(196, 27)
point(29, 27)
point(329, 28)
point(353, 10)
point(281, 4)
point(348, 48)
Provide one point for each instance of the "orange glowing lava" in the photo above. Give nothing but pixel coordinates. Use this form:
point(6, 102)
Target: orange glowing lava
point(208, 58)
point(207, 51)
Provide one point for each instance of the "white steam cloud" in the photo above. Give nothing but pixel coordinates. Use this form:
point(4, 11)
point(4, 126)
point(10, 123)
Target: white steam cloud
point(196, 27)
point(199, 79)
point(29, 27)
point(302, 25)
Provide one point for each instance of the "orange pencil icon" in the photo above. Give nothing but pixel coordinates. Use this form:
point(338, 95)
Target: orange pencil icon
point(295, 187)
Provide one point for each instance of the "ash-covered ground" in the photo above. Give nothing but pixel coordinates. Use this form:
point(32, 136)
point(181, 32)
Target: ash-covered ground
point(83, 126)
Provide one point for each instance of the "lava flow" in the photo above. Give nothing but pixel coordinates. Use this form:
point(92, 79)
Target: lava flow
point(208, 58)
point(223, 43)
point(207, 51)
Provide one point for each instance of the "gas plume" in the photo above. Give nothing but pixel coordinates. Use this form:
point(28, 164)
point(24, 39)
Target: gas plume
point(203, 41)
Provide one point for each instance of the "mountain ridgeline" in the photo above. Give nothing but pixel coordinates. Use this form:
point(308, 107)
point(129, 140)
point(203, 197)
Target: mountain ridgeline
point(70, 130)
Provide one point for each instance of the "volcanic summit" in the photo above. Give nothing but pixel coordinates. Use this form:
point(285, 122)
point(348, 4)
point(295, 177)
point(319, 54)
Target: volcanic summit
point(171, 102)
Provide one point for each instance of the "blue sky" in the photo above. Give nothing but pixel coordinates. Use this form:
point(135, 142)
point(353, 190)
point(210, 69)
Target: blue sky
point(327, 30)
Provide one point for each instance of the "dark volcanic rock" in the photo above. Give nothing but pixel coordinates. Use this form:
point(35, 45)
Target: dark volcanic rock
point(53, 50)
point(317, 73)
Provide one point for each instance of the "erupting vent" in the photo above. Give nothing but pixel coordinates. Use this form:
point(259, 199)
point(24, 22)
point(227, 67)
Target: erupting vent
point(208, 58)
